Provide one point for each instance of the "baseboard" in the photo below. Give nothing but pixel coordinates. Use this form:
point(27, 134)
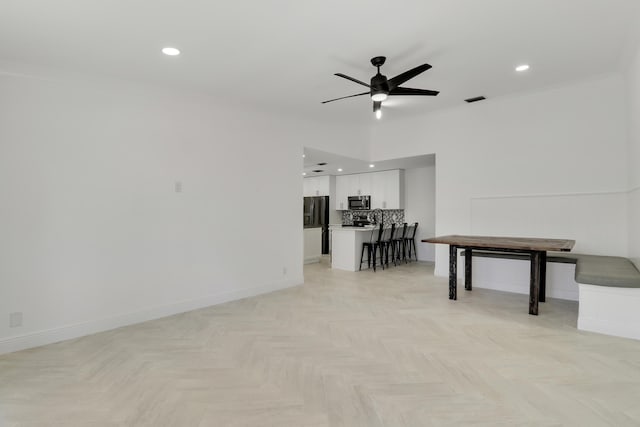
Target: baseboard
point(63, 333)
point(616, 329)
point(312, 260)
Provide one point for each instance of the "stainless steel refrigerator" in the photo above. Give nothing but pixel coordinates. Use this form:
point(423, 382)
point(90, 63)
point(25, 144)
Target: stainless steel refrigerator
point(316, 215)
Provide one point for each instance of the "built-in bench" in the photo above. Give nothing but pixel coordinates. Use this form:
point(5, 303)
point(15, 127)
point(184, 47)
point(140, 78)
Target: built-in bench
point(609, 299)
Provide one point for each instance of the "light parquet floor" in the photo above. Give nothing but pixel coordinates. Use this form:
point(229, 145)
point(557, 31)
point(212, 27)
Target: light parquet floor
point(344, 349)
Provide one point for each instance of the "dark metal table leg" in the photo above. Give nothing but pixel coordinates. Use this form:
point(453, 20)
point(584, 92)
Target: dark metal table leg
point(453, 272)
point(467, 269)
point(534, 289)
point(543, 276)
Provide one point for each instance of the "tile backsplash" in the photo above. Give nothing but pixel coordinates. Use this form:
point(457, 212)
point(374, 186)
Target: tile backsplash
point(390, 216)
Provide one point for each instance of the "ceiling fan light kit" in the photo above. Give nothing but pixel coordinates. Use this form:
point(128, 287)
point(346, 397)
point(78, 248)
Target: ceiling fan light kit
point(380, 87)
point(377, 109)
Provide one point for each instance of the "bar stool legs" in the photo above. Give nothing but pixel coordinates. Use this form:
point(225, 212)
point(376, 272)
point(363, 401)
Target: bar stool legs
point(415, 251)
point(372, 247)
point(368, 249)
point(410, 241)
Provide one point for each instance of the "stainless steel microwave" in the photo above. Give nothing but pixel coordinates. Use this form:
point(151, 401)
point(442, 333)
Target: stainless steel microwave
point(359, 203)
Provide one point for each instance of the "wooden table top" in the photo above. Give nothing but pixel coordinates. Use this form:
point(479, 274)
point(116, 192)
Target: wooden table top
point(517, 243)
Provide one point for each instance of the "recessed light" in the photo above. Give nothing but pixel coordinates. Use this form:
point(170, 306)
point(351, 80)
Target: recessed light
point(304, 155)
point(372, 166)
point(171, 51)
point(523, 67)
point(304, 173)
point(339, 170)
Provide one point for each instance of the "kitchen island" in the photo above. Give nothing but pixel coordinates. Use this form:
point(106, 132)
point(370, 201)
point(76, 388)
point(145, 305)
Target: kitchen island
point(346, 246)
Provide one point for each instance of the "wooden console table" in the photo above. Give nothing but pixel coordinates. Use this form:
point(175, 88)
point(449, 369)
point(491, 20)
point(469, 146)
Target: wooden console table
point(536, 248)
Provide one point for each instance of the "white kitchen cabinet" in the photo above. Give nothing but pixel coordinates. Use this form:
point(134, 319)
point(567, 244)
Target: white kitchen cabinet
point(353, 185)
point(363, 184)
point(378, 188)
point(386, 189)
point(323, 187)
point(312, 245)
point(393, 192)
point(306, 187)
point(342, 192)
point(358, 184)
point(315, 186)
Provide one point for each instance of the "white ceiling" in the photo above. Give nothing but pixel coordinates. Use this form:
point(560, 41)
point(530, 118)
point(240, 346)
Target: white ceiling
point(281, 54)
point(350, 165)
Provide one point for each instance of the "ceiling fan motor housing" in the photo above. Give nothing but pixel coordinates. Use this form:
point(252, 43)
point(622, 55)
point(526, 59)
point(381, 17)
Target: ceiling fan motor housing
point(379, 84)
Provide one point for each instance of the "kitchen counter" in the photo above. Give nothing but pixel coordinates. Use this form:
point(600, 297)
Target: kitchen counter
point(352, 228)
point(346, 246)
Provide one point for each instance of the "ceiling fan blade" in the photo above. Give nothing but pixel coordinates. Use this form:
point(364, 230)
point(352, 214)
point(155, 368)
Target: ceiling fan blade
point(407, 75)
point(410, 91)
point(376, 105)
point(344, 76)
point(344, 97)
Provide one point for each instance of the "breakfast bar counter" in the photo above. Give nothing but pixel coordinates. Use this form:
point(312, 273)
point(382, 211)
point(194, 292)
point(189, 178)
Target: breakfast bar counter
point(346, 246)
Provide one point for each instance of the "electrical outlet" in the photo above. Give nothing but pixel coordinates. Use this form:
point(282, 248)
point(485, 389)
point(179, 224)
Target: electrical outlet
point(284, 271)
point(15, 319)
point(178, 186)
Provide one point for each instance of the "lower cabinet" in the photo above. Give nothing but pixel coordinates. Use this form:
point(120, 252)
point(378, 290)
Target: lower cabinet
point(312, 245)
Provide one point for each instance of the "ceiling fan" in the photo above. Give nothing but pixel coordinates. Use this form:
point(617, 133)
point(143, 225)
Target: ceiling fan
point(381, 87)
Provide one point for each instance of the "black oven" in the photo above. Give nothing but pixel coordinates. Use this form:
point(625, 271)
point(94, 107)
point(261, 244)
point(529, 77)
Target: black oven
point(359, 203)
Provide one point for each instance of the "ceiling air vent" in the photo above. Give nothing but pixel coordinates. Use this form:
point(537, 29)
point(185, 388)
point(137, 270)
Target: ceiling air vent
point(322, 164)
point(318, 171)
point(476, 99)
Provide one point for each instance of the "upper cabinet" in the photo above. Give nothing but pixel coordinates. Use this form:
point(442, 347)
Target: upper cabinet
point(394, 190)
point(342, 192)
point(363, 184)
point(379, 189)
point(385, 188)
point(316, 186)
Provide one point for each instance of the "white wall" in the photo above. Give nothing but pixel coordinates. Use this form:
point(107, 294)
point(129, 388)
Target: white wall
point(633, 92)
point(572, 214)
point(556, 146)
point(420, 206)
point(93, 235)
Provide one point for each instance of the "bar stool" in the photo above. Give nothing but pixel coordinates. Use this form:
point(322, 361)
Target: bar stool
point(410, 240)
point(387, 243)
point(372, 246)
point(400, 244)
